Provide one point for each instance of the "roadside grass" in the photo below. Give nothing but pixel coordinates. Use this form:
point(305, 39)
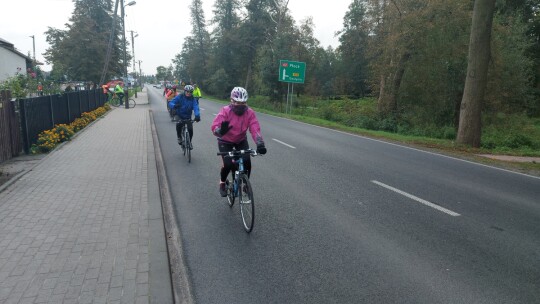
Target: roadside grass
point(512, 135)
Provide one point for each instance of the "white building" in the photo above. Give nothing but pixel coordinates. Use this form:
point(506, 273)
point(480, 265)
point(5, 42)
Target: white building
point(12, 61)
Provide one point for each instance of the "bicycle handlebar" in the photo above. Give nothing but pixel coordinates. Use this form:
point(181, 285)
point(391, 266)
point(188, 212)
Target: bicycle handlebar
point(234, 153)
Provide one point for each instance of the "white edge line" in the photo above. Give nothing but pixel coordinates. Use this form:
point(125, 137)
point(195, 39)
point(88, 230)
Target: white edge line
point(279, 141)
point(449, 212)
point(406, 147)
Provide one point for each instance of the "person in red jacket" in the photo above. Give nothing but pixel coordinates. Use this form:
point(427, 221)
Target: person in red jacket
point(230, 126)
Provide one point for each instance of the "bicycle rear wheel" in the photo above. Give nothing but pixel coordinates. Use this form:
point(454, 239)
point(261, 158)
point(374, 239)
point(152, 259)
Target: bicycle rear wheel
point(247, 206)
point(132, 103)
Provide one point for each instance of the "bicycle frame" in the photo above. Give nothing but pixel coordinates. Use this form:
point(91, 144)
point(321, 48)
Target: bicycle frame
point(184, 125)
point(240, 169)
point(186, 145)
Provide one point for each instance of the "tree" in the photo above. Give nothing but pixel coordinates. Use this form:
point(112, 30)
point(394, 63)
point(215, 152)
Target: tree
point(225, 44)
point(80, 50)
point(253, 33)
point(352, 50)
point(469, 132)
point(395, 26)
point(161, 73)
point(201, 40)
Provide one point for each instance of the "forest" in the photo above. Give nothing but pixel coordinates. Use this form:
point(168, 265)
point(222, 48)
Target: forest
point(401, 66)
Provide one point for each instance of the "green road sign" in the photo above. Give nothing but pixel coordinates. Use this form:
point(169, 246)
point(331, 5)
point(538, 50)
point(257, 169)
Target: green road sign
point(292, 71)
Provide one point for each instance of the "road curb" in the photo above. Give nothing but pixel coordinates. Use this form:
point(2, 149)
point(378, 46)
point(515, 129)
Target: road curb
point(181, 285)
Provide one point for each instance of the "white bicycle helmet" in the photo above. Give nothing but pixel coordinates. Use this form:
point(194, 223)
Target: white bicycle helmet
point(239, 94)
point(189, 88)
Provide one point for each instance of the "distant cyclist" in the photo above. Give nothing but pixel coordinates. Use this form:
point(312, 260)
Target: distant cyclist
point(230, 126)
point(185, 105)
point(119, 91)
point(196, 92)
point(169, 96)
point(105, 89)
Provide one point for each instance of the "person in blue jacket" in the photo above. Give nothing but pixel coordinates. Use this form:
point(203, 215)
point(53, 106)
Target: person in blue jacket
point(184, 105)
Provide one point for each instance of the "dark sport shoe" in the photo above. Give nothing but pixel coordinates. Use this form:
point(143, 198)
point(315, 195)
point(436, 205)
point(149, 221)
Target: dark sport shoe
point(222, 189)
point(180, 141)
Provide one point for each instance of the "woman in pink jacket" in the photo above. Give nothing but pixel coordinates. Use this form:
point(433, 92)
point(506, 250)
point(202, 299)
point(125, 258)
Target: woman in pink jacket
point(231, 126)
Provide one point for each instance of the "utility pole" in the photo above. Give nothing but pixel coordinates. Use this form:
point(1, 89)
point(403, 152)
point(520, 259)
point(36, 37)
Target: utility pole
point(126, 95)
point(140, 72)
point(133, 49)
point(34, 44)
point(133, 52)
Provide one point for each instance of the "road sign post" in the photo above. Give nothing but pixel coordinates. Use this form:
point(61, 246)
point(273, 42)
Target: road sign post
point(291, 72)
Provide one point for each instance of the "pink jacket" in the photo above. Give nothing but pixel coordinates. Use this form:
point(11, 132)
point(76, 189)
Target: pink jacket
point(239, 124)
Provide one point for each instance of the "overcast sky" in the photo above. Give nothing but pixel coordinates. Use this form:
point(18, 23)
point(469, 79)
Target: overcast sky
point(161, 25)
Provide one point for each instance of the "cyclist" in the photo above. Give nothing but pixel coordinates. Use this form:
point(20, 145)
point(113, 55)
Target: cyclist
point(105, 89)
point(119, 91)
point(169, 96)
point(165, 89)
point(230, 126)
point(184, 105)
point(171, 93)
point(196, 92)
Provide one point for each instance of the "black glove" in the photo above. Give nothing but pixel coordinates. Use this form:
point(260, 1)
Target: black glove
point(261, 149)
point(224, 128)
point(197, 118)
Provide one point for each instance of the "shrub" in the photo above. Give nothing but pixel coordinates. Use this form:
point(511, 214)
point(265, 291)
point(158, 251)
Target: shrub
point(49, 139)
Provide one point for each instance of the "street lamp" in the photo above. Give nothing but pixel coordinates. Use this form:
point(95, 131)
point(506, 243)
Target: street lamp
point(126, 96)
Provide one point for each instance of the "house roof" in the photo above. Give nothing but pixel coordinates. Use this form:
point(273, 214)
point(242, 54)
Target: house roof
point(9, 46)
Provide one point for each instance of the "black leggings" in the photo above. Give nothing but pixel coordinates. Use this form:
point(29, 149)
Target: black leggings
point(189, 128)
point(228, 165)
point(121, 97)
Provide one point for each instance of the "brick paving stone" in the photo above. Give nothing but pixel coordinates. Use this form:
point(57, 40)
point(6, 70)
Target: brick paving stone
point(75, 229)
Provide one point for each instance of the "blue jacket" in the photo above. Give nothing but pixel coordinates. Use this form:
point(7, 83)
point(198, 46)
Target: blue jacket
point(184, 106)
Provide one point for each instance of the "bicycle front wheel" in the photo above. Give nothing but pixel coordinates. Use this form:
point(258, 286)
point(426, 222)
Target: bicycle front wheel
point(247, 206)
point(132, 103)
point(115, 102)
point(230, 191)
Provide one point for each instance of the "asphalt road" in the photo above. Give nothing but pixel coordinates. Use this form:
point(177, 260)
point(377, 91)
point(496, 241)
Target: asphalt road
point(346, 219)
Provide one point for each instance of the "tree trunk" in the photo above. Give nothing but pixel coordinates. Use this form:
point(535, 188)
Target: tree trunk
point(248, 76)
point(388, 97)
point(382, 90)
point(470, 124)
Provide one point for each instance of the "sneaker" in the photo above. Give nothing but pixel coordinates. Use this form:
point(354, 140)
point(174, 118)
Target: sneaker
point(180, 141)
point(222, 189)
point(190, 146)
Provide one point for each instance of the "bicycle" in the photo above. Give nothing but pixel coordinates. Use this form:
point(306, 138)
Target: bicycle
point(115, 101)
point(186, 142)
point(240, 186)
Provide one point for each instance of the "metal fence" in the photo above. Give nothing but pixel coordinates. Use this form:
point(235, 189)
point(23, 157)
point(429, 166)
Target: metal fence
point(43, 113)
point(10, 135)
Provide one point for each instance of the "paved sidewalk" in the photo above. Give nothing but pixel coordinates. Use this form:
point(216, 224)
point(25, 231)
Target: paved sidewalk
point(85, 224)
